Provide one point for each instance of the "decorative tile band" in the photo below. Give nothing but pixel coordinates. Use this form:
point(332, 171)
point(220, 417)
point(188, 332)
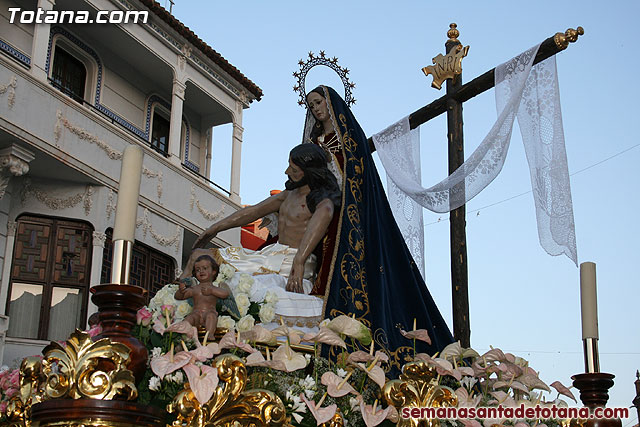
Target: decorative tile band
point(15, 53)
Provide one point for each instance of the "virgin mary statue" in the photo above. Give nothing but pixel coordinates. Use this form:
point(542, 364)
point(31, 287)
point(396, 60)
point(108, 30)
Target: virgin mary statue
point(366, 269)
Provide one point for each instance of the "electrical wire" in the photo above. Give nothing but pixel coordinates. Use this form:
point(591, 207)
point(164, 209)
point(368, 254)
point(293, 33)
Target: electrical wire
point(527, 192)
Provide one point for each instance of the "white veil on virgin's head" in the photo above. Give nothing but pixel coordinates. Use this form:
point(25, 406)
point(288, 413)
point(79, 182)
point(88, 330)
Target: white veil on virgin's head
point(309, 123)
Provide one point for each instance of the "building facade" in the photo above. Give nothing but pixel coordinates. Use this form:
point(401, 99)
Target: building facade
point(72, 97)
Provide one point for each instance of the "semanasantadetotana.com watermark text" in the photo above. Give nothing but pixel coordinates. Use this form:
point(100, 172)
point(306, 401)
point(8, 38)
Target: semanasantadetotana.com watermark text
point(518, 412)
point(41, 16)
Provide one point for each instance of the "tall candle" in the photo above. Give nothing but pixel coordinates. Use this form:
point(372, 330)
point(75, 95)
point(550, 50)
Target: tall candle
point(128, 192)
point(588, 300)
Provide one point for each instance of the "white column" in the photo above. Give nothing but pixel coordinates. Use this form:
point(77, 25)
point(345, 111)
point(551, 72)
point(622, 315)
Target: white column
point(208, 155)
point(236, 155)
point(41, 43)
point(4, 326)
point(96, 266)
point(6, 268)
point(175, 127)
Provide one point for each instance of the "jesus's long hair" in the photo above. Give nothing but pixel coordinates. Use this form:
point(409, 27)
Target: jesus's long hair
point(313, 161)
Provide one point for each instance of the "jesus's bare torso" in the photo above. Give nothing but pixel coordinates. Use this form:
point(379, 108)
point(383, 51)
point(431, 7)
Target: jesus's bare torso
point(293, 218)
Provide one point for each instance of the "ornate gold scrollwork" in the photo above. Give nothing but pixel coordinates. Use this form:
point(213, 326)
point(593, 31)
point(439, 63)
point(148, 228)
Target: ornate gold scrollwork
point(87, 369)
point(30, 392)
point(230, 404)
point(569, 36)
point(336, 421)
point(418, 387)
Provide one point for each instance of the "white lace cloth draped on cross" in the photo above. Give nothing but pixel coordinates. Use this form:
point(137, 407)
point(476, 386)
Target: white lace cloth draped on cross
point(406, 211)
point(531, 94)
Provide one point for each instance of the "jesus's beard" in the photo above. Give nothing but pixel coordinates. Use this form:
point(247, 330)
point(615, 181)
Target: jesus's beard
point(292, 185)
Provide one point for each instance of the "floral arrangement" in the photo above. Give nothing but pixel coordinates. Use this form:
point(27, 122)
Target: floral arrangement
point(313, 388)
point(9, 385)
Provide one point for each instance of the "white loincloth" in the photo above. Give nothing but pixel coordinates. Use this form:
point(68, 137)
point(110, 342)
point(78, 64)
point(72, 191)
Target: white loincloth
point(270, 268)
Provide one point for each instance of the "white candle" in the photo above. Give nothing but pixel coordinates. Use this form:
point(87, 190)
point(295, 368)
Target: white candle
point(588, 300)
point(128, 192)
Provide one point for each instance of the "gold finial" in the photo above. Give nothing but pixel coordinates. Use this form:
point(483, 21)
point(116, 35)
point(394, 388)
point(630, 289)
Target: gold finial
point(569, 36)
point(453, 32)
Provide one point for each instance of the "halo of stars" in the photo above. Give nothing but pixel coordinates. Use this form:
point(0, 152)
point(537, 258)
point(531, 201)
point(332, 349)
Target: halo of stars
point(322, 59)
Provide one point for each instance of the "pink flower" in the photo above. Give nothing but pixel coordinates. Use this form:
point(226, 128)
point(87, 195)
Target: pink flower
point(336, 386)
point(325, 336)
point(184, 327)
point(168, 362)
point(322, 415)
point(3, 407)
point(168, 308)
point(11, 392)
point(417, 334)
point(229, 340)
point(96, 330)
point(144, 317)
point(203, 381)
point(563, 390)
point(373, 415)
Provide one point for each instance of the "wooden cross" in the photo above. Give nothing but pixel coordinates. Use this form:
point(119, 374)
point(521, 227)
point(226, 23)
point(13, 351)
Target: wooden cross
point(451, 103)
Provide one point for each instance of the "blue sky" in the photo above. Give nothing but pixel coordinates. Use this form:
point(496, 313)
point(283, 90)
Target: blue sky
point(522, 300)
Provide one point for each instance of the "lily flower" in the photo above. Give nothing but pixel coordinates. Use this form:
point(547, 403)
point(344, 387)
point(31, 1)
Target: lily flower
point(455, 351)
point(293, 335)
point(259, 334)
point(374, 371)
point(230, 340)
point(184, 327)
point(322, 415)
point(158, 326)
point(465, 400)
point(351, 327)
point(363, 356)
point(417, 334)
point(292, 361)
point(336, 386)
point(203, 381)
point(169, 362)
point(373, 415)
point(325, 336)
point(205, 351)
point(257, 359)
point(563, 390)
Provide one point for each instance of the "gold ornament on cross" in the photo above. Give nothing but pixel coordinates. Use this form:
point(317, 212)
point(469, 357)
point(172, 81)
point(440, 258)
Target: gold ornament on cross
point(447, 66)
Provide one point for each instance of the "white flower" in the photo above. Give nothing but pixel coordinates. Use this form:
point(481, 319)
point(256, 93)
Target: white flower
point(271, 297)
point(242, 300)
point(246, 323)
point(341, 372)
point(468, 382)
point(157, 351)
point(309, 394)
point(177, 378)
point(245, 283)
point(267, 313)
point(355, 404)
point(154, 383)
point(226, 272)
point(226, 322)
point(307, 383)
point(182, 310)
point(325, 322)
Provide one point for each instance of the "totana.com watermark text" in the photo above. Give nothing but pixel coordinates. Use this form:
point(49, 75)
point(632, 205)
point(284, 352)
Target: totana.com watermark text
point(41, 16)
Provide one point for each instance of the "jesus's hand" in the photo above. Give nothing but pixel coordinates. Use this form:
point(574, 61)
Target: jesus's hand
point(294, 284)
